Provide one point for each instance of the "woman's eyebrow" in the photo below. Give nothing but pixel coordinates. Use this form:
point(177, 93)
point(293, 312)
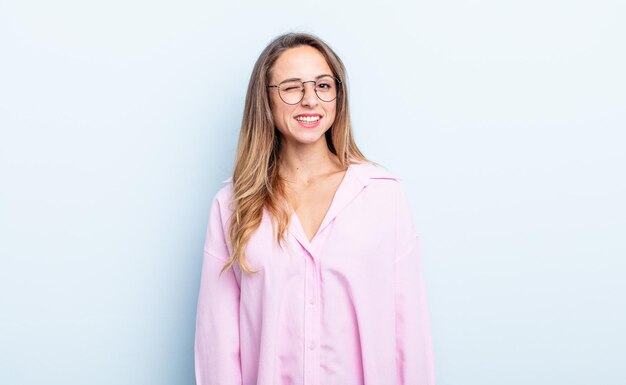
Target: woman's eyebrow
point(317, 77)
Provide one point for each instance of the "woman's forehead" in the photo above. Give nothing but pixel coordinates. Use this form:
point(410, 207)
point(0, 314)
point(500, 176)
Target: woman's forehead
point(302, 62)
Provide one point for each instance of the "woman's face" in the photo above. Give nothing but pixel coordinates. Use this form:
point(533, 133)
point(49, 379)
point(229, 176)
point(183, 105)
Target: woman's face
point(305, 63)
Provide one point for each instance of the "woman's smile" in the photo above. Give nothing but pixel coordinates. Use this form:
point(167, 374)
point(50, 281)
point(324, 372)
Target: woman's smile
point(309, 120)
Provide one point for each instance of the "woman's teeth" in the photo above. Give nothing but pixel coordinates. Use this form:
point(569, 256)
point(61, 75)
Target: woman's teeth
point(308, 118)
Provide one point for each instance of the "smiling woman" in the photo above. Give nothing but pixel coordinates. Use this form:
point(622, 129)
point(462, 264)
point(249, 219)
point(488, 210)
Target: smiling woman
point(311, 271)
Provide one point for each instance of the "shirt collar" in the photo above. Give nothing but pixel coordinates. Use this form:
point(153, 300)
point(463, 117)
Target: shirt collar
point(356, 178)
point(366, 171)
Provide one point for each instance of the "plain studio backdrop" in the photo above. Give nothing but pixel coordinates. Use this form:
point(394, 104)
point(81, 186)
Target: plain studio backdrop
point(505, 121)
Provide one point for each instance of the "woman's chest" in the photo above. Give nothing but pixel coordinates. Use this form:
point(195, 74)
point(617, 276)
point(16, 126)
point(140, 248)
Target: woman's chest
point(312, 203)
point(357, 236)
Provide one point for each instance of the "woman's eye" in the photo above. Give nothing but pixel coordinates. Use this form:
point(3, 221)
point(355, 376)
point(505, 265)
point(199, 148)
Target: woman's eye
point(323, 86)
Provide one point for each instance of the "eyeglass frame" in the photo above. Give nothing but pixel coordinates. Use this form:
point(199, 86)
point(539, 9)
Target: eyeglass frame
point(339, 83)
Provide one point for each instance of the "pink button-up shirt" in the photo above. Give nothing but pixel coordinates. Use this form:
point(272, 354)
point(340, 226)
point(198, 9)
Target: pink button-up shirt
point(348, 307)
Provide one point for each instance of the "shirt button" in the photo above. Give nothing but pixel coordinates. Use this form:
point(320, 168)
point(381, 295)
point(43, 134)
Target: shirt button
point(312, 301)
point(312, 346)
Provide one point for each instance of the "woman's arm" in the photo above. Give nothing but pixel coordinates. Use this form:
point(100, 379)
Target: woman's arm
point(217, 359)
point(414, 355)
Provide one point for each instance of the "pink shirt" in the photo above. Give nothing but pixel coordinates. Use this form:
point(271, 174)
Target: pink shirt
point(347, 308)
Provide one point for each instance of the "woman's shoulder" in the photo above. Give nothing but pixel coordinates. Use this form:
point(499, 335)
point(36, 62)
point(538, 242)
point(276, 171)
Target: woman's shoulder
point(223, 196)
point(372, 172)
point(383, 184)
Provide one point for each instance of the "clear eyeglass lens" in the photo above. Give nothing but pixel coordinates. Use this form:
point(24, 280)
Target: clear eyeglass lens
point(292, 91)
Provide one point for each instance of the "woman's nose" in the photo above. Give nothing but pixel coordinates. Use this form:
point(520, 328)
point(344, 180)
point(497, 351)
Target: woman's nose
point(310, 97)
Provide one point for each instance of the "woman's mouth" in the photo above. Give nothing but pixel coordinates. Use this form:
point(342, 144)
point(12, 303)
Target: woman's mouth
point(308, 121)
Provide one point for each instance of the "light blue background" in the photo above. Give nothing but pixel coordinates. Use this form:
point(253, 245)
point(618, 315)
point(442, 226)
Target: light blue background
point(506, 121)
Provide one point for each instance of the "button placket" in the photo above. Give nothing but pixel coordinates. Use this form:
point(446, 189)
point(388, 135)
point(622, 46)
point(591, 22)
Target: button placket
point(311, 322)
point(308, 332)
point(314, 306)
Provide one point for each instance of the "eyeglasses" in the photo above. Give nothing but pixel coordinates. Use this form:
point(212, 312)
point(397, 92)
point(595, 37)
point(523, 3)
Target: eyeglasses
point(291, 91)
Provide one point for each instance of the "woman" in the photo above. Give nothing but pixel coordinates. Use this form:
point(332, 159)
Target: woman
point(311, 272)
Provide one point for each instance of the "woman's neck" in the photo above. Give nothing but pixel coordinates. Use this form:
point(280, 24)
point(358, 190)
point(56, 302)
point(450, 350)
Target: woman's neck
point(304, 163)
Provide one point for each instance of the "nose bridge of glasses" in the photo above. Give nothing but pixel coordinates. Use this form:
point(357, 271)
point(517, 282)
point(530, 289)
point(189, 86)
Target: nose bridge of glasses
point(315, 95)
point(309, 81)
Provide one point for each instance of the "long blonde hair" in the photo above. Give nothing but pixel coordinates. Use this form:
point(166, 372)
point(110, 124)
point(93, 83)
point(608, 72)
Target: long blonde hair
point(256, 182)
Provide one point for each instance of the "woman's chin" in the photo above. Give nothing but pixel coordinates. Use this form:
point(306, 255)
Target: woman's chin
point(310, 138)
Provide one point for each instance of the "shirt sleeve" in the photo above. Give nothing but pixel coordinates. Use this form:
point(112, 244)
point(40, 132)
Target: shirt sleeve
point(216, 348)
point(414, 355)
